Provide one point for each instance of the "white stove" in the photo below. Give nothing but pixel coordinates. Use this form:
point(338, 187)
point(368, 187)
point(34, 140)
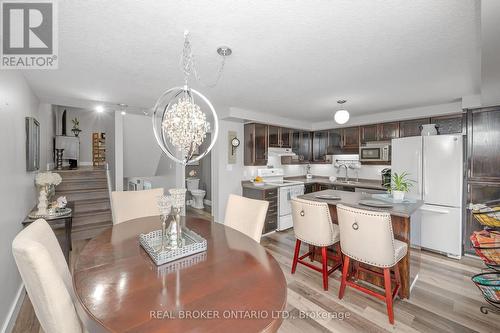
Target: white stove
point(288, 189)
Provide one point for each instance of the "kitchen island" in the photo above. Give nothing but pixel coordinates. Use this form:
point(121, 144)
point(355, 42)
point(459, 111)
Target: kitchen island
point(401, 216)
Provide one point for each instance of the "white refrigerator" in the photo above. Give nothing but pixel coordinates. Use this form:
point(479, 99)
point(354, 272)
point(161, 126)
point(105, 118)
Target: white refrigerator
point(435, 163)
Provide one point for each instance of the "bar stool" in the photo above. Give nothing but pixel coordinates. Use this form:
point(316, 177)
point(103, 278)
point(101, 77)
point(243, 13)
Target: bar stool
point(367, 237)
point(313, 225)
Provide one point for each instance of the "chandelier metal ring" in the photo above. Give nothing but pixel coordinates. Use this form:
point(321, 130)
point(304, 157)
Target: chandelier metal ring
point(159, 113)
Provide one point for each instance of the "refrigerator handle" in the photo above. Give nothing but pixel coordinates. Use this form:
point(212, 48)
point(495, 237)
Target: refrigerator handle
point(435, 210)
point(419, 173)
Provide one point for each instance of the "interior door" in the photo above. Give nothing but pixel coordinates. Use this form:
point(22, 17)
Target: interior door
point(441, 229)
point(443, 170)
point(407, 157)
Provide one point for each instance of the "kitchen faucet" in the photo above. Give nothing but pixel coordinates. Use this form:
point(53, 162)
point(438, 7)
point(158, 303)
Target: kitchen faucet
point(346, 175)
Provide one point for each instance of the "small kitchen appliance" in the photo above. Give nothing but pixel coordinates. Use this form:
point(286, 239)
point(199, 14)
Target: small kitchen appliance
point(375, 152)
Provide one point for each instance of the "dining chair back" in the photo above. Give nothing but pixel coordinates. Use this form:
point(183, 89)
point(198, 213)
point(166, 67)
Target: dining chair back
point(46, 278)
point(128, 205)
point(312, 224)
point(246, 215)
point(367, 237)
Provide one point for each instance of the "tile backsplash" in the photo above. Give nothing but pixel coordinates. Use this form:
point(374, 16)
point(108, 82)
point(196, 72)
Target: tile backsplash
point(365, 171)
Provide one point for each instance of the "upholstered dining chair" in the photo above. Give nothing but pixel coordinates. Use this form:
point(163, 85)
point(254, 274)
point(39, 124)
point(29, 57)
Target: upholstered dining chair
point(46, 278)
point(246, 215)
point(312, 224)
point(367, 237)
point(128, 205)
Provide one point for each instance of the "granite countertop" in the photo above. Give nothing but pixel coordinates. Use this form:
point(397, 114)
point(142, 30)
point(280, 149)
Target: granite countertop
point(352, 199)
point(362, 183)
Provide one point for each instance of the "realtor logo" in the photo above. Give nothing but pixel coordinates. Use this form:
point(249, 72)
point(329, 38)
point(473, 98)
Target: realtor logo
point(29, 35)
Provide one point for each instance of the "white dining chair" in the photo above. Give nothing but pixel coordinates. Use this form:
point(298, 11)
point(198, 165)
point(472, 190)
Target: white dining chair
point(367, 237)
point(246, 215)
point(312, 224)
point(46, 278)
point(129, 205)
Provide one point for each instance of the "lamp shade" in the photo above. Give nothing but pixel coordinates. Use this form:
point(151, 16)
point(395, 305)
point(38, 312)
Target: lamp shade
point(341, 116)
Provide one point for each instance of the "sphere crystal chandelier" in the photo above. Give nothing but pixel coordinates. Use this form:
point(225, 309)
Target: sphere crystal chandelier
point(180, 126)
point(341, 116)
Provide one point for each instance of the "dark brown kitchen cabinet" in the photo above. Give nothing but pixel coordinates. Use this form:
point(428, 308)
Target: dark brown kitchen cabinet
point(388, 131)
point(270, 195)
point(279, 137)
point(285, 135)
point(295, 141)
point(451, 124)
point(309, 188)
point(274, 137)
point(320, 142)
point(335, 141)
point(484, 144)
point(255, 151)
point(305, 151)
point(351, 138)
point(412, 127)
point(369, 133)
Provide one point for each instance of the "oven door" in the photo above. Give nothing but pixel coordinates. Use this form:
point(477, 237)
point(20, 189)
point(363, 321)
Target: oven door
point(285, 206)
point(370, 154)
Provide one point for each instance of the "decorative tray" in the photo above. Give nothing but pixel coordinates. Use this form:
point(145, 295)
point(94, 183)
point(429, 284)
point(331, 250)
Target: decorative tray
point(327, 197)
point(192, 244)
point(58, 213)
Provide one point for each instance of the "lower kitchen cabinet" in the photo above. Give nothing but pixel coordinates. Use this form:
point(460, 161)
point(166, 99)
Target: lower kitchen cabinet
point(309, 188)
point(270, 195)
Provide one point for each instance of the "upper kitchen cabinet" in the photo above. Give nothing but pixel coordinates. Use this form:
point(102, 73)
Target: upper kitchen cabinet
point(320, 142)
point(255, 150)
point(412, 127)
point(388, 131)
point(301, 144)
point(335, 141)
point(369, 133)
point(448, 124)
point(350, 138)
point(483, 134)
point(279, 137)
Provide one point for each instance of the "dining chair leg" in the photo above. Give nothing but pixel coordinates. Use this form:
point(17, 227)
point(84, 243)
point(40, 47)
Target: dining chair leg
point(345, 270)
point(296, 255)
point(397, 275)
point(388, 294)
point(324, 259)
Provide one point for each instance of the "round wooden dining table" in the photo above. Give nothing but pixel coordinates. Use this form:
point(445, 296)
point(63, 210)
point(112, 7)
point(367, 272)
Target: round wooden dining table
point(234, 286)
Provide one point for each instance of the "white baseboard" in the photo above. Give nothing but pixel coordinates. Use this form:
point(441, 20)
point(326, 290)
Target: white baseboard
point(10, 319)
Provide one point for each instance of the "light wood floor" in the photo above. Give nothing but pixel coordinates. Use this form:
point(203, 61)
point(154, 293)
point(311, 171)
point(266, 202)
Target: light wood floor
point(443, 300)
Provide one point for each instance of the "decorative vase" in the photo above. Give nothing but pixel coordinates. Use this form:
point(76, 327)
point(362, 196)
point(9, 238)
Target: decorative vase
point(429, 129)
point(174, 232)
point(398, 195)
point(42, 201)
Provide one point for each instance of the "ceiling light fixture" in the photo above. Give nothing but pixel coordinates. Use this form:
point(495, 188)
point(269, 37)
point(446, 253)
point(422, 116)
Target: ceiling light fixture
point(99, 108)
point(341, 116)
point(180, 126)
point(123, 108)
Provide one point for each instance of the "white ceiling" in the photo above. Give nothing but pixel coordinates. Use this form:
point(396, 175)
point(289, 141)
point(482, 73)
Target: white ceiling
point(291, 58)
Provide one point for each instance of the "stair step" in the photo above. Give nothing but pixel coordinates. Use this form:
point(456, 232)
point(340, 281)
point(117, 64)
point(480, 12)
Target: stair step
point(89, 230)
point(82, 184)
point(89, 205)
point(85, 194)
point(92, 217)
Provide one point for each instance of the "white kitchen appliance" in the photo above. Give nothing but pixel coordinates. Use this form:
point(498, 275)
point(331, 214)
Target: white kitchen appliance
point(287, 190)
point(435, 163)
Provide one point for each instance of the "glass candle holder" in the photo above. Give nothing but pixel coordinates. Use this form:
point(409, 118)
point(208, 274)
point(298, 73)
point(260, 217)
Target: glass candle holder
point(164, 205)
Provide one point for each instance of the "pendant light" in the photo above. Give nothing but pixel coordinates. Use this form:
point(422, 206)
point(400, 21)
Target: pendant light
point(180, 124)
point(341, 116)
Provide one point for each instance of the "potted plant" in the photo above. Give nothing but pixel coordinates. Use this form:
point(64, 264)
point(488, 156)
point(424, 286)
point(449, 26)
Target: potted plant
point(76, 127)
point(400, 185)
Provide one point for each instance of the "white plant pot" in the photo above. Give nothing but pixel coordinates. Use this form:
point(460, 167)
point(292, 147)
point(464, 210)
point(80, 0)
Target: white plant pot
point(398, 195)
point(429, 129)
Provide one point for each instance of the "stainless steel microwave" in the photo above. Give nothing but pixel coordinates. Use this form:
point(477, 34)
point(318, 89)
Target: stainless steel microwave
point(375, 152)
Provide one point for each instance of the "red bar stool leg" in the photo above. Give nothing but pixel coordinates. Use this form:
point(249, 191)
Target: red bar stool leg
point(345, 270)
point(388, 294)
point(296, 255)
point(324, 259)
